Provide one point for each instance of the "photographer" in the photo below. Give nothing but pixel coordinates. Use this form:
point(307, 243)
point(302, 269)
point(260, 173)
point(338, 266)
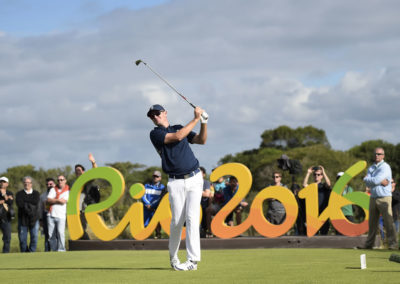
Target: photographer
point(324, 191)
point(6, 213)
point(295, 168)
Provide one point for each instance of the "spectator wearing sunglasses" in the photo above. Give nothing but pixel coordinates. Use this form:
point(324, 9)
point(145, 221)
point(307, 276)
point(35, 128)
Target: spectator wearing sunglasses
point(276, 213)
point(154, 191)
point(378, 180)
point(56, 218)
point(324, 191)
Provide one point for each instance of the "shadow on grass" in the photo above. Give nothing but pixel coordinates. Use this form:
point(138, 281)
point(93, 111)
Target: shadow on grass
point(384, 271)
point(85, 268)
point(358, 268)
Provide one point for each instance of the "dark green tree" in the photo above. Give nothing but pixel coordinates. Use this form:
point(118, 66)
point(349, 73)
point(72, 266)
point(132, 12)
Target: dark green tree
point(285, 137)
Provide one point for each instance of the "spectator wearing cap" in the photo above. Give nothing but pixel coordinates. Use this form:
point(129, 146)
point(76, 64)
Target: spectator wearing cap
point(185, 182)
point(216, 203)
point(348, 209)
point(154, 191)
point(6, 213)
point(229, 191)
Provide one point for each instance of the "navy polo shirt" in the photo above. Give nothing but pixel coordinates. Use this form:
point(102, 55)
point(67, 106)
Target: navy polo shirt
point(177, 158)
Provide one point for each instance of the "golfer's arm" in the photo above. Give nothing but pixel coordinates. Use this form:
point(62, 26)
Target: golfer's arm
point(181, 133)
point(201, 138)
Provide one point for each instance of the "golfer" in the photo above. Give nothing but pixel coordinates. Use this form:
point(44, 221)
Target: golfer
point(185, 183)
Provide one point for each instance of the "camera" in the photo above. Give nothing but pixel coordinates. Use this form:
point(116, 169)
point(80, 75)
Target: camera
point(293, 166)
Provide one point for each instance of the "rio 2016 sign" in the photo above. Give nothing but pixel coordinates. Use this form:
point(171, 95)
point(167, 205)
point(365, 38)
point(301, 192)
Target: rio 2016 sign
point(256, 218)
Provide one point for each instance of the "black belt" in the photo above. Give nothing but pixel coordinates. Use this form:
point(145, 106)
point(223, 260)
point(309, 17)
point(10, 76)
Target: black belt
point(186, 175)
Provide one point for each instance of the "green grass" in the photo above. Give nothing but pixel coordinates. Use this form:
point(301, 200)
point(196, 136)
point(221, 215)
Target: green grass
point(217, 266)
point(40, 244)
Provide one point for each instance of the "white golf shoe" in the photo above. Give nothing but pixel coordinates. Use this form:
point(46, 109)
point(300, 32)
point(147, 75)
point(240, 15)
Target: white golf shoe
point(188, 265)
point(175, 263)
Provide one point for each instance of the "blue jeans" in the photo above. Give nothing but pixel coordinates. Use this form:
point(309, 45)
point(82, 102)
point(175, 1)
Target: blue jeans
point(6, 229)
point(56, 233)
point(147, 215)
point(23, 237)
point(45, 231)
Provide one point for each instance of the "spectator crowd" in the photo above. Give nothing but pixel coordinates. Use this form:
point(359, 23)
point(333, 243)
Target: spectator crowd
point(48, 209)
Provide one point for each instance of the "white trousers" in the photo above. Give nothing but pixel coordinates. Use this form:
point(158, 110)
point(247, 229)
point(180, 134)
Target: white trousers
point(185, 198)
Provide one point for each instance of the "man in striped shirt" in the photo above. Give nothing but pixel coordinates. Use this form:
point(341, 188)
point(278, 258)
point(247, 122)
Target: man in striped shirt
point(152, 198)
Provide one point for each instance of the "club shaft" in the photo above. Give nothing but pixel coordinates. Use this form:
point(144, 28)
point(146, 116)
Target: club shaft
point(166, 82)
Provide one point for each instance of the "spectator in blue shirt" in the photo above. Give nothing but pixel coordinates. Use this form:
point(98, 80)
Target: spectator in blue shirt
point(217, 202)
point(229, 191)
point(378, 180)
point(154, 191)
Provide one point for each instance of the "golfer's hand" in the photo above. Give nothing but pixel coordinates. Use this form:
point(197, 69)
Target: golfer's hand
point(204, 117)
point(197, 113)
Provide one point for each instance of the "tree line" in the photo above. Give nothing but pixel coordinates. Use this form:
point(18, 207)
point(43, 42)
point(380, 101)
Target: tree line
point(308, 145)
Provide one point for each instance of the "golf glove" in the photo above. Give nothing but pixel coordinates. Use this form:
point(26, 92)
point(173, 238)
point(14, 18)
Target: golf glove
point(204, 117)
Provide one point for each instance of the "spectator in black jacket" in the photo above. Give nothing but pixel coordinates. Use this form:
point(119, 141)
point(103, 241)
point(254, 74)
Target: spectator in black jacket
point(27, 201)
point(6, 213)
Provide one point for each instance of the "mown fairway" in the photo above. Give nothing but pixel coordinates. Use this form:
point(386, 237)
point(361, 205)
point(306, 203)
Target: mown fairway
point(218, 266)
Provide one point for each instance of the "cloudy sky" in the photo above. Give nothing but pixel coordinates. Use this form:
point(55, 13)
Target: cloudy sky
point(69, 85)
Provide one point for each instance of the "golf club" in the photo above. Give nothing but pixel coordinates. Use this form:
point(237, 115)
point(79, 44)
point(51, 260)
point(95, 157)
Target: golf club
point(204, 114)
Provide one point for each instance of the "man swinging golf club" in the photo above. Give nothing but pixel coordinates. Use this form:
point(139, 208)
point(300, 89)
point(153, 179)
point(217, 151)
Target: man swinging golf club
point(185, 183)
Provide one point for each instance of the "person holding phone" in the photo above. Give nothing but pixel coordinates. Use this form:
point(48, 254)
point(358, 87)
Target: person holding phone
point(324, 191)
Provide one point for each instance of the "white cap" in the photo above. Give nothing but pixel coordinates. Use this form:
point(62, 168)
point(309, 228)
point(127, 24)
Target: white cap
point(339, 174)
point(4, 179)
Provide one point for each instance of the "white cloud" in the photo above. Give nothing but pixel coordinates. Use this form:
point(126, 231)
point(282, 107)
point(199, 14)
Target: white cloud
point(246, 63)
point(353, 82)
